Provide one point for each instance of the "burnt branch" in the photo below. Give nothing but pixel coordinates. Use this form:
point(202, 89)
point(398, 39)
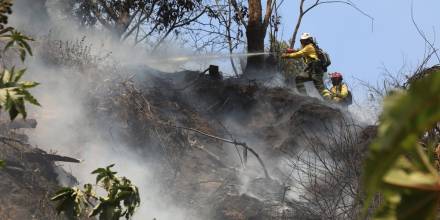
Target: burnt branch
point(234, 142)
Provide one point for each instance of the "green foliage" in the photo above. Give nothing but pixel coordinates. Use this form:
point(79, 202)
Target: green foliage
point(72, 201)
point(17, 40)
point(105, 175)
point(397, 166)
point(2, 164)
point(121, 200)
point(13, 92)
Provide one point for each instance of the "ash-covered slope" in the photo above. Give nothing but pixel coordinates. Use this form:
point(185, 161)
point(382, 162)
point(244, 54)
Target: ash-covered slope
point(166, 114)
point(29, 176)
point(169, 119)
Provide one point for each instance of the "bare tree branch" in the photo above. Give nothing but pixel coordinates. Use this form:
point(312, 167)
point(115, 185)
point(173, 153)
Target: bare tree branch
point(303, 12)
point(434, 50)
point(238, 12)
point(234, 142)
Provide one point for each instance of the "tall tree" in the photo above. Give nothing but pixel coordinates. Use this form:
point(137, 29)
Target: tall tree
point(256, 27)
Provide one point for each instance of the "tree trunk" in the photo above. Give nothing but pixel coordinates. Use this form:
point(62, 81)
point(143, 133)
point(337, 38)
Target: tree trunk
point(255, 34)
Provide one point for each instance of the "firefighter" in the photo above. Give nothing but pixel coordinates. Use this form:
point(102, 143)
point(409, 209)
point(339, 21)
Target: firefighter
point(314, 69)
point(339, 92)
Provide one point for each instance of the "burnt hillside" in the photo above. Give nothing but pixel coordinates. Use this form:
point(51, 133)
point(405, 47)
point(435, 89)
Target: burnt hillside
point(170, 118)
point(165, 115)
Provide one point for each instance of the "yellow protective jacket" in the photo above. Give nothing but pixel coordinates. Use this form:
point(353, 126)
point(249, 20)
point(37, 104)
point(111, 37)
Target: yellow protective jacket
point(336, 93)
point(308, 52)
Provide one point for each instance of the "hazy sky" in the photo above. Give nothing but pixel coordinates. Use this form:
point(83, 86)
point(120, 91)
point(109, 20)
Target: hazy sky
point(357, 50)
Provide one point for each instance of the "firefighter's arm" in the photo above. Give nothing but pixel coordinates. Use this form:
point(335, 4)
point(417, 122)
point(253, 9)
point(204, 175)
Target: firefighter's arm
point(307, 50)
point(327, 94)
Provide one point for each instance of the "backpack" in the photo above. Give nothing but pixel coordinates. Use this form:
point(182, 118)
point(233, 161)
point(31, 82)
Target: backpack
point(324, 58)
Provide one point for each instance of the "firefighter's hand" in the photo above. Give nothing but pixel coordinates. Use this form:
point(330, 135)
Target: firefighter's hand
point(284, 55)
point(290, 50)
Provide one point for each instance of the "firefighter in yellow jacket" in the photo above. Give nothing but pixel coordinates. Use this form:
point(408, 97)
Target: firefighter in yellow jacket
point(314, 69)
point(339, 92)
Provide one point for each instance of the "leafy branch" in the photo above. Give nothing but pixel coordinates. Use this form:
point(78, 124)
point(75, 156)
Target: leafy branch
point(121, 200)
point(17, 40)
point(13, 92)
point(397, 166)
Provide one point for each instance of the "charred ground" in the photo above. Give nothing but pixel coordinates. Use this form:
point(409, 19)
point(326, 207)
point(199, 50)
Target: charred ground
point(210, 177)
point(153, 111)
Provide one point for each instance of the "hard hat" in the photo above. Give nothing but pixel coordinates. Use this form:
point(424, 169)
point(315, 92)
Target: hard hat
point(336, 75)
point(306, 36)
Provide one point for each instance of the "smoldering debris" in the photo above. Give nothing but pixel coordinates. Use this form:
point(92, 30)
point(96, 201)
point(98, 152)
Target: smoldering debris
point(123, 118)
point(269, 114)
point(103, 107)
point(104, 113)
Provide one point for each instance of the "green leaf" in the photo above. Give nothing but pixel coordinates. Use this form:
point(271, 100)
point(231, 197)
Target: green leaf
point(22, 54)
point(106, 175)
point(14, 94)
point(6, 76)
point(412, 179)
point(19, 74)
point(99, 170)
point(8, 29)
point(25, 45)
point(8, 45)
point(2, 163)
point(71, 202)
point(3, 97)
point(13, 113)
point(121, 200)
point(31, 99)
point(62, 193)
point(406, 116)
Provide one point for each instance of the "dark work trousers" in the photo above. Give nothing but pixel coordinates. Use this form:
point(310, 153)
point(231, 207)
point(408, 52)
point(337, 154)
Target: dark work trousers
point(314, 73)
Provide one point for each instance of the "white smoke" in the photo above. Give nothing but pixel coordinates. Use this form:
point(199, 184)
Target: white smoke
point(65, 127)
point(63, 123)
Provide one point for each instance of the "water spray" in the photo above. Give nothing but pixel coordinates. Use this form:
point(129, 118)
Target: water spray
point(206, 57)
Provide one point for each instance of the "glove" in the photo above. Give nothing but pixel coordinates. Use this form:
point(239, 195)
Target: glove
point(290, 50)
point(284, 55)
